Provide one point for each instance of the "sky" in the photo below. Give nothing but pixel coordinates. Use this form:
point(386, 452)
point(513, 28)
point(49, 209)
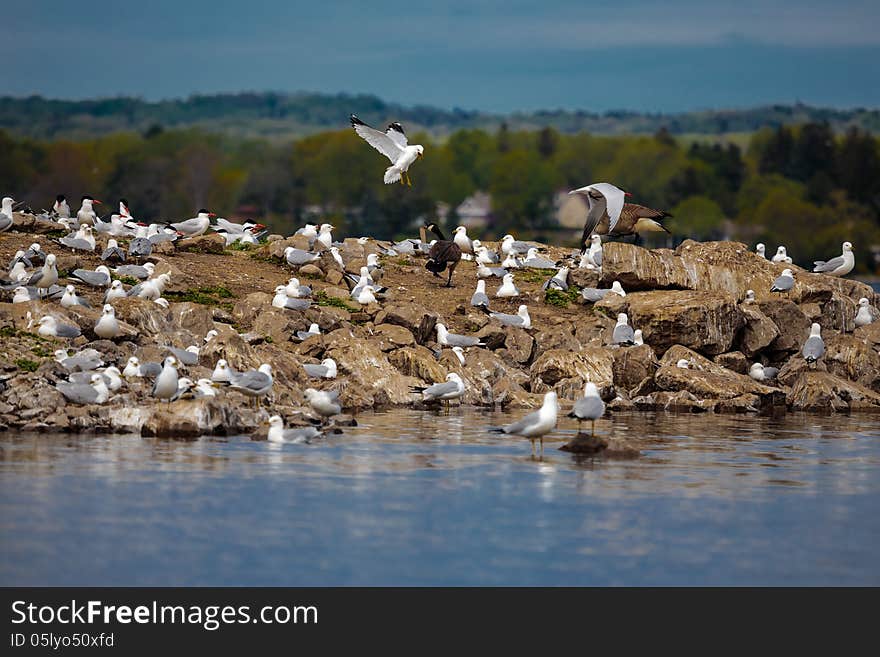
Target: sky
point(642, 55)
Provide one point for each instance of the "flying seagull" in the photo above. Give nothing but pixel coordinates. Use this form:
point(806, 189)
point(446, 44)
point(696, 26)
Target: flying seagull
point(393, 145)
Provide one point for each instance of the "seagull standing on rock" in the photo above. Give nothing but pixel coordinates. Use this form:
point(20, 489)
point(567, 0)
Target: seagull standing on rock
point(254, 383)
point(839, 266)
point(760, 249)
point(814, 347)
point(784, 282)
point(447, 339)
point(71, 298)
point(521, 319)
point(760, 373)
point(51, 328)
point(392, 144)
point(196, 226)
point(46, 276)
point(165, 386)
point(507, 289)
point(623, 332)
point(781, 256)
point(480, 298)
point(866, 314)
point(326, 370)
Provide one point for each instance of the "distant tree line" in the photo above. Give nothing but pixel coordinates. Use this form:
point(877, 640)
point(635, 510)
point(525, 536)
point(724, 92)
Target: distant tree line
point(801, 186)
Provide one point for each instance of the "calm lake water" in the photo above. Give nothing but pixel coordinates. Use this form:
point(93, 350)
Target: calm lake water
point(412, 498)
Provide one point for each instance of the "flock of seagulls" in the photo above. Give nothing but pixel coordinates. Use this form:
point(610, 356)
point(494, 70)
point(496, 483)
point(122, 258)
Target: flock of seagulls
point(33, 275)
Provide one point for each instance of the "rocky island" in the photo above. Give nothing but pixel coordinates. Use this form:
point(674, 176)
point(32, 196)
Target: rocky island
point(689, 303)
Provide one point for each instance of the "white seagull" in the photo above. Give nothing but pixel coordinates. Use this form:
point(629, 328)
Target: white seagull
point(393, 145)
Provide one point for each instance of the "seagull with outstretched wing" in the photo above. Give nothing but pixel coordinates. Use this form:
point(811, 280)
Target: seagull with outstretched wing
point(392, 144)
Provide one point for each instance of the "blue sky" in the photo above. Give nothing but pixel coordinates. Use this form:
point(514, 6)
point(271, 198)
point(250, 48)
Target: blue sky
point(500, 56)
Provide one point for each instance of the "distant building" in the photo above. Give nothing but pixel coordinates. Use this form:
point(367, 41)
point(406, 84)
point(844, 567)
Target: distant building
point(570, 210)
point(475, 211)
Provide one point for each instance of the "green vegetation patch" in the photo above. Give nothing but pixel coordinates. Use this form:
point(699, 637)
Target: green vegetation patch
point(560, 298)
point(322, 299)
point(207, 296)
point(240, 246)
point(27, 365)
point(128, 280)
point(533, 275)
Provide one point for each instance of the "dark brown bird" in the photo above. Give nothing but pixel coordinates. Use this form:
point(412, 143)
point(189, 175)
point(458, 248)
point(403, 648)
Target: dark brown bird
point(444, 253)
point(626, 218)
point(635, 219)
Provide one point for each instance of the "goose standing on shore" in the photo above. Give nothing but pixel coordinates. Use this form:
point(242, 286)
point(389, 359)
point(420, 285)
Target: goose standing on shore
point(443, 254)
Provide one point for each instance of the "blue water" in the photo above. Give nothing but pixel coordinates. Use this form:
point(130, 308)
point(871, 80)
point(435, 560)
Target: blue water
point(413, 498)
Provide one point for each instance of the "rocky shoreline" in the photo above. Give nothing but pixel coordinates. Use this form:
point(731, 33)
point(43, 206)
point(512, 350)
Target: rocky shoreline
point(688, 304)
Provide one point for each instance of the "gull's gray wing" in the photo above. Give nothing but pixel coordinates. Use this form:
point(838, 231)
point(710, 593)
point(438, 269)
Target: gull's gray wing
point(75, 243)
point(316, 371)
point(814, 348)
point(150, 369)
point(252, 380)
point(771, 372)
point(78, 393)
point(597, 258)
point(184, 356)
point(305, 335)
point(67, 331)
point(187, 226)
point(480, 299)
point(82, 301)
point(588, 408)
point(132, 270)
point(622, 334)
point(297, 304)
point(158, 238)
point(507, 320)
point(440, 389)
point(300, 436)
point(94, 278)
point(456, 340)
point(113, 253)
point(81, 363)
point(539, 263)
point(782, 284)
point(828, 265)
point(520, 425)
point(592, 294)
point(300, 257)
point(86, 377)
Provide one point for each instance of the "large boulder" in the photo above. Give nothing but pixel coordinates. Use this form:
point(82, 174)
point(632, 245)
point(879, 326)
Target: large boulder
point(417, 319)
point(707, 322)
point(727, 267)
point(758, 331)
point(710, 381)
point(823, 392)
point(371, 379)
point(633, 365)
point(850, 358)
point(792, 325)
point(566, 372)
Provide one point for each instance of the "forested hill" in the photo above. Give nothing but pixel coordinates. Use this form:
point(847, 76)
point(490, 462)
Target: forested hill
point(281, 116)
